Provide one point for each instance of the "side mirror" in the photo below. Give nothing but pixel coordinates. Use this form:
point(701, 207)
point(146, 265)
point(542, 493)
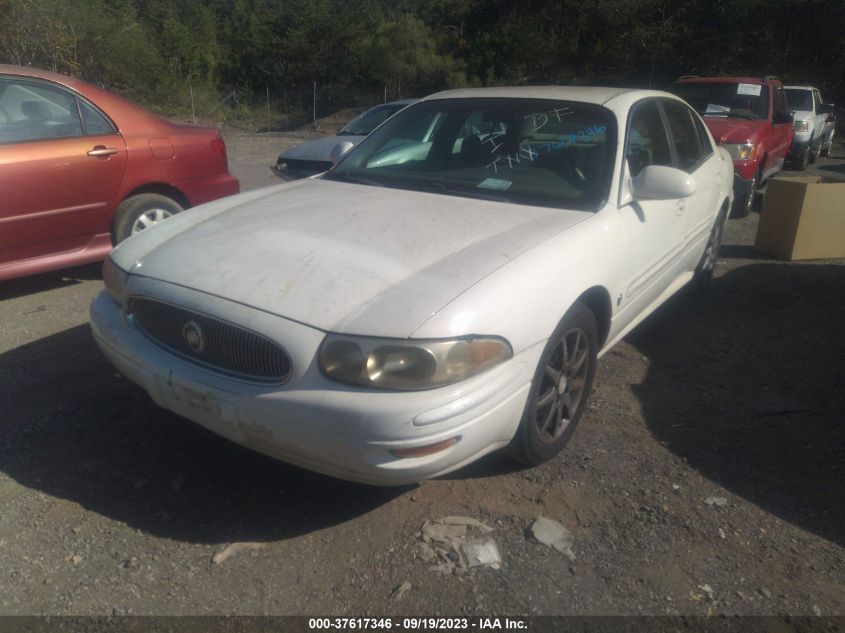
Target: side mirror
point(340, 150)
point(657, 182)
point(782, 117)
point(825, 108)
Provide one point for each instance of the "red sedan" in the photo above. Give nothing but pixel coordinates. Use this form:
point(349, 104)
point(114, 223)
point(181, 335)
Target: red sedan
point(82, 169)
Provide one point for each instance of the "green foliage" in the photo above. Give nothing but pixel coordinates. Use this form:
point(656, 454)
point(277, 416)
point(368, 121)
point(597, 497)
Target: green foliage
point(160, 52)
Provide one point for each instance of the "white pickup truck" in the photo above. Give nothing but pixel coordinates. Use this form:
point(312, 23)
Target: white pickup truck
point(814, 125)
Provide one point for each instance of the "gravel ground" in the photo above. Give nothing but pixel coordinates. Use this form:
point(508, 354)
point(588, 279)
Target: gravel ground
point(706, 478)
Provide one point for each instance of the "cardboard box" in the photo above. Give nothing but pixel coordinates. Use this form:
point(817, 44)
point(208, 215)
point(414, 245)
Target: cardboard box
point(802, 218)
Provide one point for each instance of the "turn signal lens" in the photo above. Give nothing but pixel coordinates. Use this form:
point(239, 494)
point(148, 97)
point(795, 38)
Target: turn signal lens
point(745, 151)
point(422, 451)
point(114, 279)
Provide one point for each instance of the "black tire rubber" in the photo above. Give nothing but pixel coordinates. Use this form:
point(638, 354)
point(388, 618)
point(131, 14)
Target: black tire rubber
point(130, 210)
point(801, 163)
point(527, 447)
point(742, 206)
point(704, 271)
point(812, 154)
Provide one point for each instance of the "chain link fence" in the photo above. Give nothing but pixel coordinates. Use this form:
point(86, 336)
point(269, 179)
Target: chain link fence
point(323, 107)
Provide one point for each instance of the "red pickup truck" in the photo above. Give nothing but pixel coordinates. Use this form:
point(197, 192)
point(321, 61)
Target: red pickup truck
point(750, 118)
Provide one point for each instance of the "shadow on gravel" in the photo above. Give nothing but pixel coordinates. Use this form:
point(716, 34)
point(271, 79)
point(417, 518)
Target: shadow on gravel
point(741, 251)
point(837, 169)
point(745, 383)
point(48, 281)
point(71, 428)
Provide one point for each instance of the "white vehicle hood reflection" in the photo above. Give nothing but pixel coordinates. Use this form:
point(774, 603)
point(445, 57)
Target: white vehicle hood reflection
point(345, 257)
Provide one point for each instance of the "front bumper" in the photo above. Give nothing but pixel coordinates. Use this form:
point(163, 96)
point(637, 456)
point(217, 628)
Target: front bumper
point(312, 422)
point(202, 190)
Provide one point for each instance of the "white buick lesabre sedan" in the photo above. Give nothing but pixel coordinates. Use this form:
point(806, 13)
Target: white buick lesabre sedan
point(388, 322)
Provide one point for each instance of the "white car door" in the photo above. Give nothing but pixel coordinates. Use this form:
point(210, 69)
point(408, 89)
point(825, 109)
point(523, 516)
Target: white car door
point(653, 231)
point(694, 153)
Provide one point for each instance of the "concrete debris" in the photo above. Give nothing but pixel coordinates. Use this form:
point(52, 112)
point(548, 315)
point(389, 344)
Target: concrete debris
point(481, 553)
point(399, 592)
point(75, 559)
point(552, 533)
point(766, 593)
point(716, 501)
point(233, 550)
point(722, 534)
point(443, 533)
point(706, 589)
point(468, 521)
point(426, 552)
point(455, 545)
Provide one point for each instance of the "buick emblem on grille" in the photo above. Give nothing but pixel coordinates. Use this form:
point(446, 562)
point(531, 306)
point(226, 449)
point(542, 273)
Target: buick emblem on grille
point(193, 337)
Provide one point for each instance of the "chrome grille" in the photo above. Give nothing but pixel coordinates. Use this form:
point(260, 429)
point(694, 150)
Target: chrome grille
point(208, 341)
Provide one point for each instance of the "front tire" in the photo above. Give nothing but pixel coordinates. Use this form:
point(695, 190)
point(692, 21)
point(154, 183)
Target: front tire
point(812, 154)
point(742, 206)
point(139, 212)
point(802, 163)
point(559, 391)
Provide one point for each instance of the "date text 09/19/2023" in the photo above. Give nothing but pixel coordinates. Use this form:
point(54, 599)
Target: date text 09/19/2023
point(417, 623)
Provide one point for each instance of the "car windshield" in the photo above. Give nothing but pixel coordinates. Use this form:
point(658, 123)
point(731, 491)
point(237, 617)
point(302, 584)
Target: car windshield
point(726, 99)
point(799, 99)
point(370, 120)
point(529, 151)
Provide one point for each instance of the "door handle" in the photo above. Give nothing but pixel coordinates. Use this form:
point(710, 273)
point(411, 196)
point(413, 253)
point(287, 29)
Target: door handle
point(101, 151)
point(679, 207)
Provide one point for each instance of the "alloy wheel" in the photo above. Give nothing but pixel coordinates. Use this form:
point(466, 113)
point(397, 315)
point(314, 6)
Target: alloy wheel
point(563, 385)
point(149, 218)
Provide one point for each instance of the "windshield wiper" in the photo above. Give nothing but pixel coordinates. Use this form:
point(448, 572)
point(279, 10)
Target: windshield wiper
point(344, 176)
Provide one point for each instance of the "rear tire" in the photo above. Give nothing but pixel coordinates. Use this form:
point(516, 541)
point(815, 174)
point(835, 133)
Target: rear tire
point(704, 271)
point(139, 212)
point(559, 391)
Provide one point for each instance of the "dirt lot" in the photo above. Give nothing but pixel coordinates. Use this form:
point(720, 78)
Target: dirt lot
point(707, 477)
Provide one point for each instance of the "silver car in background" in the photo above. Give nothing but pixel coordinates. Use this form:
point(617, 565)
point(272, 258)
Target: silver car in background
point(314, 157)
point(814, 126)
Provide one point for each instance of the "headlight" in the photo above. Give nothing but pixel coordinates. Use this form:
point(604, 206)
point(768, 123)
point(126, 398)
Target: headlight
point(409, 364)
point(802, 126)
point(114, 279)
point(745, 151)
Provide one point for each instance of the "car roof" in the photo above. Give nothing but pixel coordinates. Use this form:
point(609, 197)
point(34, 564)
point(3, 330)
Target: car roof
point(37, 73)
point(587, 94)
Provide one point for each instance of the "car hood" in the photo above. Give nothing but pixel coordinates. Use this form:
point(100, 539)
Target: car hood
point(344, 257)
point(732, 130)
point(318, 149)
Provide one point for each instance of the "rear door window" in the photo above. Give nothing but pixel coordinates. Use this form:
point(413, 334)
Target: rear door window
point(32, 111)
